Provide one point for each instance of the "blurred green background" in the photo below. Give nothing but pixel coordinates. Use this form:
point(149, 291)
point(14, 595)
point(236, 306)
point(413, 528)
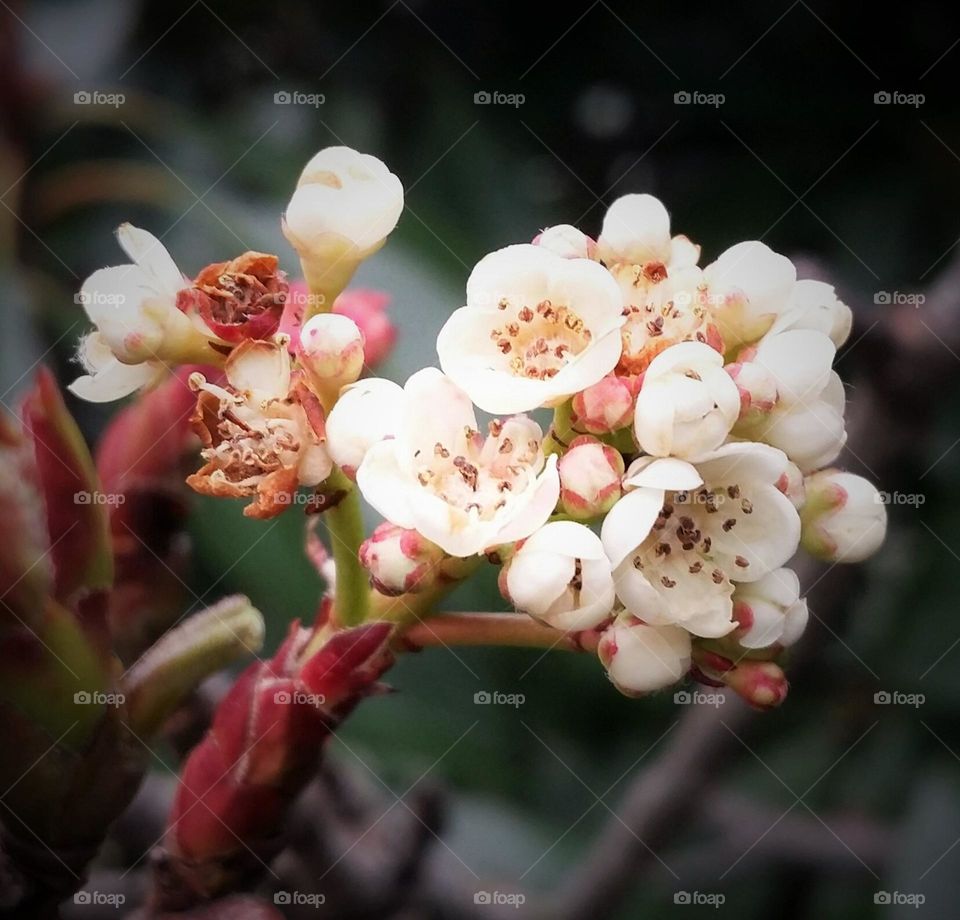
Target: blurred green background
point(798, 154)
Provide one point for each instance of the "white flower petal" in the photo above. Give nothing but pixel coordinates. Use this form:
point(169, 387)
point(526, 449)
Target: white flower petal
point(628, 523)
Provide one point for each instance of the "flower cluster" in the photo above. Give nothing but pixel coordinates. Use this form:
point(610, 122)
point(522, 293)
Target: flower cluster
point(695, 418)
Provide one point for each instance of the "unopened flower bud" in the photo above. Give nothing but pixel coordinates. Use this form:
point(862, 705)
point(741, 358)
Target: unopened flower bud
point(756, 385)
point(606, 406)
point(590, 475)
point(561, 576)
point(844, 518)
point(770, 611)
point(687, 404)
point(567, 241)
point(331, 350)
point(366, 413)
point(345, 205)
point(641, 659)
point(399, 561)
point(368, 309)
point(762, 684)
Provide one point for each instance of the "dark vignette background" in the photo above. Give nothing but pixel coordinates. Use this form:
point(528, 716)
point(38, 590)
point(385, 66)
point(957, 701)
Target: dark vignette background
point(798, 154)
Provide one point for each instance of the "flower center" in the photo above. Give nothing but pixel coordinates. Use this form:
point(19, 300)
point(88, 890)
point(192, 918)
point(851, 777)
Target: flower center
point(657, 318)
point(683, 542)
point(538, 342)
point(480, 476)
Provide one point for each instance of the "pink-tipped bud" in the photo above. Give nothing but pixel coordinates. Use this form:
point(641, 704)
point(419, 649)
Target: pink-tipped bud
point(606, 406)
point(762, 684)
point(640, 658)
point(756, 386)
point(567, 242)
point(368, 309)
point(400, 561)
point(844, 517)
point(590, 476)
point(331, 349)
point(792, 485)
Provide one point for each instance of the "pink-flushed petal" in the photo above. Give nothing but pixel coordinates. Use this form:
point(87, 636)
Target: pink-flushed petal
point(629, 522)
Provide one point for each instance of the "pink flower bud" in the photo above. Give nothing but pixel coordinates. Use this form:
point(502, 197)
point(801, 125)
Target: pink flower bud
point(590, 475)
point(331, 349)
point(566, 241)
point(399, 561)
point(606, 406)
point(762, 684)
point(368, 309)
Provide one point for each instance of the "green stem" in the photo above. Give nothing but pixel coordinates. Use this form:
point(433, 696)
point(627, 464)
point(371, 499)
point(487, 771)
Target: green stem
point(561, 431)
point(345, 525)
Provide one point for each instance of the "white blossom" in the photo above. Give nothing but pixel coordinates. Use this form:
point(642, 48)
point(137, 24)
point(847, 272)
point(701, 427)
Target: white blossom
point(815, 305)
point(139, 329)
point(440, 476)
point(686, 532)
point(536, 329)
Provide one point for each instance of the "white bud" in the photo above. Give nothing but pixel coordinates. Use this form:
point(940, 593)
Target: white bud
point(343, 196)
point(770, 610)
point(844, 517)
point(641, 659)
point(331, 349)
point(687, 404)
point(566, 241)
